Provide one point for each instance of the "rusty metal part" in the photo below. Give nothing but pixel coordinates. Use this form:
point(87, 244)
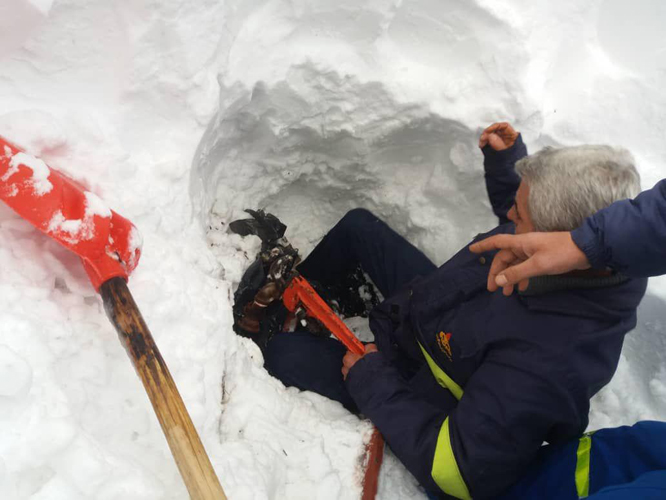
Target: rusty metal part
point(254, 311)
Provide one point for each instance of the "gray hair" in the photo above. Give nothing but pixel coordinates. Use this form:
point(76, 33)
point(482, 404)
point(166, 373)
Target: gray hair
point(568, 185)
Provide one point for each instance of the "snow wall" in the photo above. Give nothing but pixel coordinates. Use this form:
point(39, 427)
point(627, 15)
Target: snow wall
point(181, 114)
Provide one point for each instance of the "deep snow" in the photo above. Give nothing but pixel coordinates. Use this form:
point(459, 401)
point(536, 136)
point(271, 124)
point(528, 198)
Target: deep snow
point(180, 114)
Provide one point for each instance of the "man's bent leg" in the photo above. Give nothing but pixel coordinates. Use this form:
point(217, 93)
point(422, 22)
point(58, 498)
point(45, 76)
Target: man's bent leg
point(310, 363)
point(360, 238)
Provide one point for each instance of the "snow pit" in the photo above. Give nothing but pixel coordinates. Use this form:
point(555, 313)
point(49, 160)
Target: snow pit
point(318, 144)
point(307, 108)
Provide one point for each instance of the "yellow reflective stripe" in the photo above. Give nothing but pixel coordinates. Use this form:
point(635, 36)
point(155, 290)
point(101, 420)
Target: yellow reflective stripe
point(445, 470)
point(442, 378)
point(583, 466)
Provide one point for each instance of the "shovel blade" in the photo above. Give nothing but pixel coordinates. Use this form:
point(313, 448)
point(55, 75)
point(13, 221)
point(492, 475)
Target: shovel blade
point(109, 245)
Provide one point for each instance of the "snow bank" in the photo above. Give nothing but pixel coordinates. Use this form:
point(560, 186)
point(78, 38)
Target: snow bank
point(311, 108)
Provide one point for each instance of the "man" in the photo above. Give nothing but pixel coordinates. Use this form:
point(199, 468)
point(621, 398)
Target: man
point(466, 385)
point(630, 236)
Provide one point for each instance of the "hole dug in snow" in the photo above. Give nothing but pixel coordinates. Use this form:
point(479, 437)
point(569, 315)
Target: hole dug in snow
point(308, 149)
point(318, 144)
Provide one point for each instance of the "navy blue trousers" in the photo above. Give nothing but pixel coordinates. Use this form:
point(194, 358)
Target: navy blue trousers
point(300, 359)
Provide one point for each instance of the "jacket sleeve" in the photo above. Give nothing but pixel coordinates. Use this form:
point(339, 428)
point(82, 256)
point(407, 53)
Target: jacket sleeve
point(628, 236)
point(480, 446)
point(409, 424)
point(502, 181)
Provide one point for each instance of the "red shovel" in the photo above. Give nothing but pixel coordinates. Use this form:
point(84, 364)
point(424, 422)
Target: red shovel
point(109, 247)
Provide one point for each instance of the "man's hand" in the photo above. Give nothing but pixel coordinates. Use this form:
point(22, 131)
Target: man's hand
point(350, 359)
point(500, 136)
point(527, 255)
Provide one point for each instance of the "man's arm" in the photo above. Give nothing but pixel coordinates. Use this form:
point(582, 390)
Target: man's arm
point(628, 236)
point(479, 447)
point(502, 147)
point(409, 424)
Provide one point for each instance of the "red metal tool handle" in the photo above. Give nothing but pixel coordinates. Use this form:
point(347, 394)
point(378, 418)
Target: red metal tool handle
point(300, 293)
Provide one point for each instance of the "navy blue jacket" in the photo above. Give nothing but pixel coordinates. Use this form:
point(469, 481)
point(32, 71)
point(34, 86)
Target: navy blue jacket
point(518, 370)
point(629, 236)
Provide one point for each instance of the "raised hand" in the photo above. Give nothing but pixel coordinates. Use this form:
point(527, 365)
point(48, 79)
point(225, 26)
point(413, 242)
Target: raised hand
point(499, 136)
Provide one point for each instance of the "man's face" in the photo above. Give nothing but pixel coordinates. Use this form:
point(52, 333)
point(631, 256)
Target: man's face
point(519, 213)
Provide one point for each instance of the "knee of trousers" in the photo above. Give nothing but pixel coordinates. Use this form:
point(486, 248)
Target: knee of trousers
point(357, 218)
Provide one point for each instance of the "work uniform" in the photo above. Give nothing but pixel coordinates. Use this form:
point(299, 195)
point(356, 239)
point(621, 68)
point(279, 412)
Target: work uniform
point(624, 463)
point(467, 384)
point(619, 463)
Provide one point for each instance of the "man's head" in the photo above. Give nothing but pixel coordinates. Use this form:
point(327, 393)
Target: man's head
point(562, 186)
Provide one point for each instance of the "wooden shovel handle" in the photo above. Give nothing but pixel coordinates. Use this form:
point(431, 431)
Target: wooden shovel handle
point(186, 447)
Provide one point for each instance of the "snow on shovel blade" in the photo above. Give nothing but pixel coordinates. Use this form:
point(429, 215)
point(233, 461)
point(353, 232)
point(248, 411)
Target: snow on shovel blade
point(108, 244)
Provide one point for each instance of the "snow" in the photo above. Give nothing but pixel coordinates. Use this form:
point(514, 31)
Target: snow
point(95, 206)
point(72, 226)
point(16, 375)
point(181, 114)
point(40, 172)
point(135, 243)
point(84, 229)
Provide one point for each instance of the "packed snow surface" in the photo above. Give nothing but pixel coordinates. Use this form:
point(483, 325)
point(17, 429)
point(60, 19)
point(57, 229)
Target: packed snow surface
point(180, 114)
